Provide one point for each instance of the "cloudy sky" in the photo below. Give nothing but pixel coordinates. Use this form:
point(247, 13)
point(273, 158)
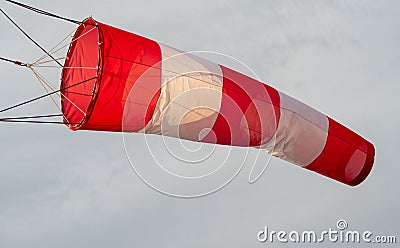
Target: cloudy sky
point(60, 188)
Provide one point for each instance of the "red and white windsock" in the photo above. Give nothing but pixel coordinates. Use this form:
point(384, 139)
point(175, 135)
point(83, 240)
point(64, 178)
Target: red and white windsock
point(114, 80)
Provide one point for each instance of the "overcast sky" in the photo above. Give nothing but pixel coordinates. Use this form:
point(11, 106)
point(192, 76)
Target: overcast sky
point(60, 188)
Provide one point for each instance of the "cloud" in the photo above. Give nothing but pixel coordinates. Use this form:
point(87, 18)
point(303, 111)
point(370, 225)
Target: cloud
point(60, 188)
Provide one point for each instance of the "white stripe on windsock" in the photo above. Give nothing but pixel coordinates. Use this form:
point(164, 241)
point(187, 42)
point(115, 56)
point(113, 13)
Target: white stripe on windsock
point(190, 99)
point(301, 134)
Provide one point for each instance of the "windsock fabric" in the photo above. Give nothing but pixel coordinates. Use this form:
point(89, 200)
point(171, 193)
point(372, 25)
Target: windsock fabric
point(117, 81)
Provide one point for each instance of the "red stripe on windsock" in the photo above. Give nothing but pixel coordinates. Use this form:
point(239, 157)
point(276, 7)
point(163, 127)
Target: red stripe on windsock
point(126, 60)
point(347, 157)
point(249, 111)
